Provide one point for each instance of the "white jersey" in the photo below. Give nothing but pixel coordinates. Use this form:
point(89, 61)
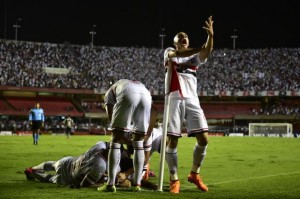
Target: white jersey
point(85, 169)
point(186, 108)
point(69, 122)
point(186, 68)
point(154, 141)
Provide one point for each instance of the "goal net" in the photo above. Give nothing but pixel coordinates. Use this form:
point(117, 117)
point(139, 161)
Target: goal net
point(271, 129)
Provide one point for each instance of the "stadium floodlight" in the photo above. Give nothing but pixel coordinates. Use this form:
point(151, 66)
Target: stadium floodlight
point(162, 35)
point(92, 33)
point(16, 26)
point(234, 37)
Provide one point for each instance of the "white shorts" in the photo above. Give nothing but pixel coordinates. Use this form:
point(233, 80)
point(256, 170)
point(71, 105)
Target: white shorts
point(186, 111)
point(132, 112)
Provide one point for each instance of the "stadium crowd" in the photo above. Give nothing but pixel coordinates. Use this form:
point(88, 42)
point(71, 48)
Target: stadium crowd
point(22, 64)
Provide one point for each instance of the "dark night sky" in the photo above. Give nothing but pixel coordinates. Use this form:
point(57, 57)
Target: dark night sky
point(259, 24)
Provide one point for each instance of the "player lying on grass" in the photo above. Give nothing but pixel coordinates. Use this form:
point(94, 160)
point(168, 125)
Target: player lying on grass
point(85, 170)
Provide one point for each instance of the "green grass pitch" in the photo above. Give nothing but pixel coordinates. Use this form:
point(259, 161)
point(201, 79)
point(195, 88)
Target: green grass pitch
point(235, 167)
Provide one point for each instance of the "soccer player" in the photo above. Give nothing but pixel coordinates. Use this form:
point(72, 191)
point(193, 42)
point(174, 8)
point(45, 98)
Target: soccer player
point(36, 120)
point(81, 171)
point(69, 123)
point(184, 104)
point(128, 104)
point(90, 168)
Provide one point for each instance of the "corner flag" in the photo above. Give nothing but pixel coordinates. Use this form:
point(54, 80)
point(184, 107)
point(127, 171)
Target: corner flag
point(173, 85)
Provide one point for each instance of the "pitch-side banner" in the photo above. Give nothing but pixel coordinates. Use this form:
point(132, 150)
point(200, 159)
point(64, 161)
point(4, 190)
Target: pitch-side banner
point(249, 93)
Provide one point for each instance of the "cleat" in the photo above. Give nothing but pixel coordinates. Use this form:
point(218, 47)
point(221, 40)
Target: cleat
point(196, 179)
point(27, 172)
point(135, 188)
point(107, 188)
point(147, 170)
point(174, 186)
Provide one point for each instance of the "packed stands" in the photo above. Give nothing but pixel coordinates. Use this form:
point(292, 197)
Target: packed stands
point(82, 71)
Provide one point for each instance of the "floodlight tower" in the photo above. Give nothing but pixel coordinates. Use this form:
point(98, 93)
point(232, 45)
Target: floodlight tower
point(234, 37)
point(16, 26)
point(92, 33)
point(162, 35)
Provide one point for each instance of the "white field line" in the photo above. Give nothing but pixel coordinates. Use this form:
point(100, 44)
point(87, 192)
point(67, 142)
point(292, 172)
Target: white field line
point(259, 177)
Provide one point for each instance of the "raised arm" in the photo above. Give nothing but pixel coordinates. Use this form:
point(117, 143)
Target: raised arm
point(208, 46)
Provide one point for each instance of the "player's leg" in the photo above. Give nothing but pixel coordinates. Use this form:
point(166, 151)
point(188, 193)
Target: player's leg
point(172, 161)
point(34, 132)
point(114, 156)
point(141, 106)
point(147, 149)
point(37, 172)
point(138, 159)
point(197, 127)
point(34, 137)
point(198, 158)
point(174, 133)
point(42, 177)
point(68, 132)
point(45, 166)
point(121, 119)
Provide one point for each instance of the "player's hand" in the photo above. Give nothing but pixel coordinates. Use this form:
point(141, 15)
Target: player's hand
point(209, 26)
point(42, 124)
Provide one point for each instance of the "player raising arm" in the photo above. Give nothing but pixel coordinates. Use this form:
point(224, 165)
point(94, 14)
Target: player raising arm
point(184, 104)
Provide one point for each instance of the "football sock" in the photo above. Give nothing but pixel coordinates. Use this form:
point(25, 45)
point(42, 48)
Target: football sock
point(172, 161)
point(138, 161)
point(113, 162)
point(198, 157)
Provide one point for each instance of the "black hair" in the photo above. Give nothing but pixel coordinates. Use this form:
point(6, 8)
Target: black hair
point(130, 149)
point(126, 163)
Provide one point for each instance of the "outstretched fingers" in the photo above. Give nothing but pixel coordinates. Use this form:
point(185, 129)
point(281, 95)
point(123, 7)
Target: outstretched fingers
point(209, 26)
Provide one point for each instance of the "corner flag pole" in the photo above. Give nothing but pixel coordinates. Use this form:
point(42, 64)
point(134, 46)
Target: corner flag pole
point(163, 143)
point(165, 129)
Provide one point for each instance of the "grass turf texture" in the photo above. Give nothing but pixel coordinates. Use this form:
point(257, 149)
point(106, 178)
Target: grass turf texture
point(235, 167)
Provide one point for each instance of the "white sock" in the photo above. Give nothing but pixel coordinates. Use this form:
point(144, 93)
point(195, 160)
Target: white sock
point(172, 160)
point(113, 162)
point(138, 161)
point(40, 167)
point(198, 157)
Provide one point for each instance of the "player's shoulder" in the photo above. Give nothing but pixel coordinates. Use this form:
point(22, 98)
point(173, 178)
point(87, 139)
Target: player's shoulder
point(169, 49)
